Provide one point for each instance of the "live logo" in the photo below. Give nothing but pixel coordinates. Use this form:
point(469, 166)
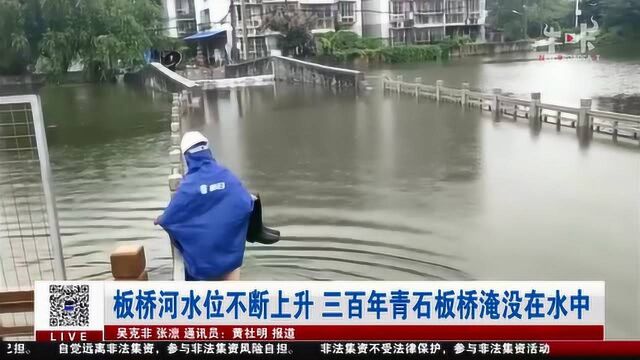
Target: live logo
point(69, 336)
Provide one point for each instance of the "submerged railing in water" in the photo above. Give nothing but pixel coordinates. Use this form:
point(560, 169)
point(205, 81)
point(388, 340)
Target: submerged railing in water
point(582, 118)
point(180, 106)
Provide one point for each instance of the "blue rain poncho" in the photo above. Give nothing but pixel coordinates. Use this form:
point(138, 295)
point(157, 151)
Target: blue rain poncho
point(208, 218)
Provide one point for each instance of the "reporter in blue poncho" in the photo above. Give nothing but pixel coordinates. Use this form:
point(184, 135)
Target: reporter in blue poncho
point(208, 217)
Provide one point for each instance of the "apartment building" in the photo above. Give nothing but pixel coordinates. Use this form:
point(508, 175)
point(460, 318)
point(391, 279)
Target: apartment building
point(404, 22)
point(214, 16)
point(180, 17)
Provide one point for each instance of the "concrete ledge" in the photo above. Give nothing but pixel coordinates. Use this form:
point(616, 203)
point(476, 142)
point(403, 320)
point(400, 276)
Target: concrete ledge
point(260, 80)
point(186, 83)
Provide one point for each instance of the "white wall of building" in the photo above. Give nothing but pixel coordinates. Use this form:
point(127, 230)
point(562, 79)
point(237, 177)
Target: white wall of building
point(357, 26)
point(219, 17)
point(375, 18)
point(170, 16)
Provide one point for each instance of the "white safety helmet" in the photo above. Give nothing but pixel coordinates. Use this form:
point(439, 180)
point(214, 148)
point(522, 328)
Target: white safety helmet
point(191, 138)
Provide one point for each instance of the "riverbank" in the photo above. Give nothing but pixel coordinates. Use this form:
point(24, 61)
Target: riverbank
point(346, 47)
point(476, 49)
point(31, 83)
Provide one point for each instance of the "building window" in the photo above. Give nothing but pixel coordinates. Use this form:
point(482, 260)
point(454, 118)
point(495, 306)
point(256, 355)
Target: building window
point(186, 27)
point(347, 11)
point(398, 37)
point(424, 36)
point(474, 6)
point(400, 7)
point(429, 6)
point(324, 16)
point(455, 7)
point(274, 8)
point(182, 7)
point(257, 47)
point(238, 13)
point(205, 19)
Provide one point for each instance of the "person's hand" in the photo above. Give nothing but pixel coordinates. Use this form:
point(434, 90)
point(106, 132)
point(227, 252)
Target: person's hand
point(156, 220)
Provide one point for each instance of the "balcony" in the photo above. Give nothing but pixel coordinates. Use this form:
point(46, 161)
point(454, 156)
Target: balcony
point(428, 19)
point(317, 2)
point(182, 14)
point(397, 17)
point(251, 32)
point(186, 28)
point(401, 21)
point(429, 6)
point(455, 18)
point(254, 23)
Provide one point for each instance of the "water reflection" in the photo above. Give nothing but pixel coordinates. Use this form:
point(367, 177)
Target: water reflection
point(108, 149)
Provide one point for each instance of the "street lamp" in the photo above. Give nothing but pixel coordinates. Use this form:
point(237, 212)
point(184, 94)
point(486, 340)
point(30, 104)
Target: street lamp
point(524, 18)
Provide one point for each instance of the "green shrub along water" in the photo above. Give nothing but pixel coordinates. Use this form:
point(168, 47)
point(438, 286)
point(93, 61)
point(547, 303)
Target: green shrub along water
point(344, 46)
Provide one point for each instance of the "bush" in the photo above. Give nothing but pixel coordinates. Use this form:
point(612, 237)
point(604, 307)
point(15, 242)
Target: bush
point(412, 53)
point(345, 46)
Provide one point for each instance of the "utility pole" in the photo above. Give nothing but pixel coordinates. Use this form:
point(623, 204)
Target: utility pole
point(526, 21)
point(234, 36)
point(245, 44)
point(577, 12)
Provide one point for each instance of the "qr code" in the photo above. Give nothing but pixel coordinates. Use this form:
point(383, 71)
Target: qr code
point(69, 305)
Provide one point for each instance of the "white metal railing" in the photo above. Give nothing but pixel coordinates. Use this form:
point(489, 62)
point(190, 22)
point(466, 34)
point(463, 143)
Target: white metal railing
point(30, 246)
point(30, 238)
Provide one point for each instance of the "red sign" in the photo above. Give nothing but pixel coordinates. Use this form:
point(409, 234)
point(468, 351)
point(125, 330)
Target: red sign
point(69, 336)
point(570, 38)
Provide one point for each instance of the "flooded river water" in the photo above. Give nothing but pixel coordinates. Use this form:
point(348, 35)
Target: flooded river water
point(373, 187)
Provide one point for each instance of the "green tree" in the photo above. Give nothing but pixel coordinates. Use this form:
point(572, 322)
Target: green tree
point(295, 27)
point(14, 44)
point(621, 16)
point(510, 16)
point(104, 35)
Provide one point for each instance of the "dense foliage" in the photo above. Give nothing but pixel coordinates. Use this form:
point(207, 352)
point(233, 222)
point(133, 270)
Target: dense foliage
point(618, 17)
point(345, 46)
point(510, 16)
point(14, 46)
point(103, 35)
point(621, 20)
point(295, 27)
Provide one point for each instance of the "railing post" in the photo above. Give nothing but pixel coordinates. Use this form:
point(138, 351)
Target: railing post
point(418, 82)
point(128, 262)
point(464, 97)
point(614, 132)
point(439, 85)
point(559, 120)
point(399, 79)
point(534, 108)
point(496, 102)
point(583, 114)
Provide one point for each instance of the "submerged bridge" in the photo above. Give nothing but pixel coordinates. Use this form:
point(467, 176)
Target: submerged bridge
point(252, 72)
